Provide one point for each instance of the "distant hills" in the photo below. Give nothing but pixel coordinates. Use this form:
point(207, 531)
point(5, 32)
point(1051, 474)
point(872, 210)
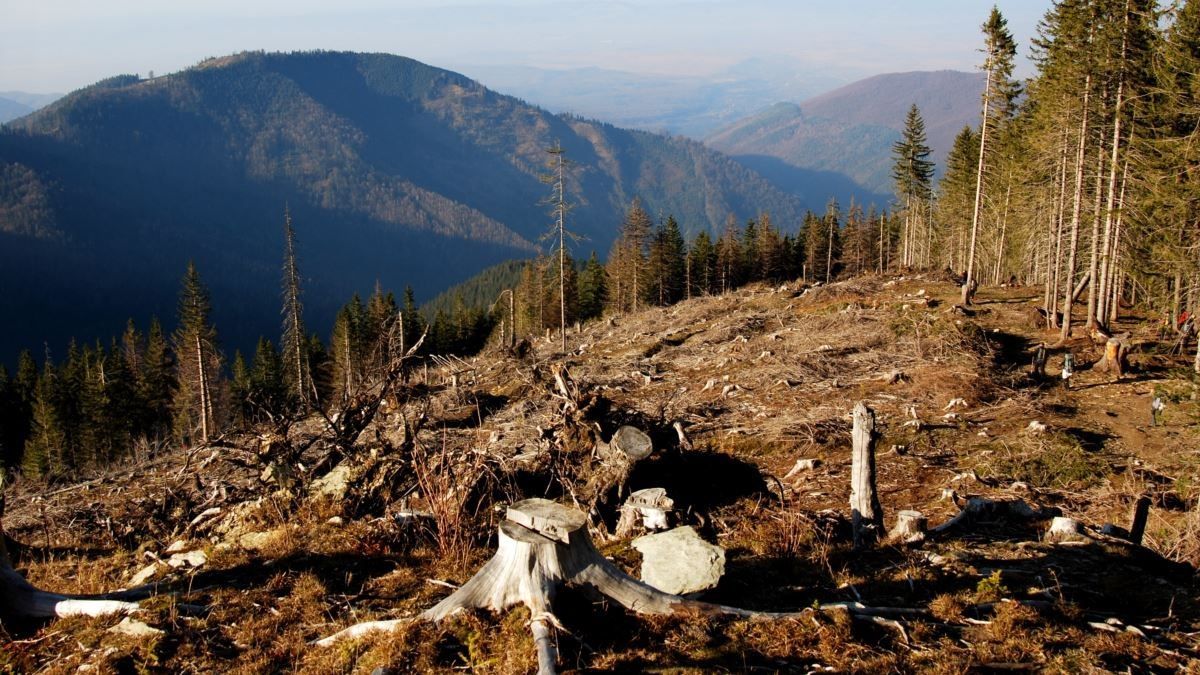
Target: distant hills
point(14, 104)
point(394, 171)
point(692, 106)
point(840, 142)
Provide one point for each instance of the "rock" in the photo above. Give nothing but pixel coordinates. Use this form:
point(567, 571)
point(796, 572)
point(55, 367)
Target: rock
point(1036, 427)
point(333, 484)
point(679, 561)
point(191, 559)
point(134, 628)
point(256, 541)
point(178, 547)
point(336, 520)
point(148, 572)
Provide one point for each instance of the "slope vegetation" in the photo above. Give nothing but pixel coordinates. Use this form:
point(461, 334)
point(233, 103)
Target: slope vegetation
point(393, 170)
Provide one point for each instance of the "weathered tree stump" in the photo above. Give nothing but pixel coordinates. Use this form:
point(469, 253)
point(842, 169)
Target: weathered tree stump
point(530, 566)
point(910, 528)
point(1065, 530)
point(1137, 519)
point(632, 442)
point(866, 515)
point(648, 507)
point(1115, 359)
point(1038, 367)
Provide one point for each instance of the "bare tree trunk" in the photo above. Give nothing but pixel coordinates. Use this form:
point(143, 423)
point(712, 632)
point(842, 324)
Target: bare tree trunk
point(204, 394)
point(1003, 228)
point(1094, 257)
point(865, 512)
point(983, 129)
point(1076, 206)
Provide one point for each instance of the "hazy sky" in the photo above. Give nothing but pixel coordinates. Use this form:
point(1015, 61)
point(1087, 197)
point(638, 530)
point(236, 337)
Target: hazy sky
point(60, 45)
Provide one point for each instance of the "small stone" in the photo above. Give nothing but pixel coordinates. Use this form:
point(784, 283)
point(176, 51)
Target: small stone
point(191, 559)
point(148, 572)
point(177, 547)
point(679, 561)
point(336, 520)
point(134, 628)
point(333, 484)
point(256, 541)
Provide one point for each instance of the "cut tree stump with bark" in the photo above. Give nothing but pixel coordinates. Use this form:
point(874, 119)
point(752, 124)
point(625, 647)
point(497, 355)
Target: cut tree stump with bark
point(553, 549)
point(1116, 357)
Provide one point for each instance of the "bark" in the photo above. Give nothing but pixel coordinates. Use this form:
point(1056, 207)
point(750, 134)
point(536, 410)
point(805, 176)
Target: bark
point(1076, 206)
point(983, 129)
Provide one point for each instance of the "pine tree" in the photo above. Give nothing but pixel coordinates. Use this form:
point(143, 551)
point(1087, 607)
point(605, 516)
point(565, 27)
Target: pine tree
point(196, 412)
point(593, 289)
point(344, 344)
point(955, 200)
point(998, 95)
point(45, 449)
point(627, 260)
point(665, 265)
point(268, 389)
point(239, 391)
point(772, 252)
point(156, 383)
point(913, 176)
point(729, 257)
point(703, 257)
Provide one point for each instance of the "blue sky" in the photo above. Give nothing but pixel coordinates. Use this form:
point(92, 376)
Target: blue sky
point(60, 45)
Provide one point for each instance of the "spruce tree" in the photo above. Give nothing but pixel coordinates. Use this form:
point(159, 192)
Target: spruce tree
point(703, 256)
point(198, 367)
point(593, 289)
point(913, 175)
point(998, 95)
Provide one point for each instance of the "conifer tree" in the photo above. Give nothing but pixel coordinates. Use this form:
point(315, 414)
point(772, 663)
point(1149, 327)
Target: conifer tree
point(913, 176)
point(772, 254)
point(665, 264)
point(298, 373)
point(45, 450)
point(239, 391)
point(198, 367)
point(593, 289)
point(729, 257)
point(703, 257)
point(560, 235)
point(268, 390)
point(998, 95)
point(627, 260)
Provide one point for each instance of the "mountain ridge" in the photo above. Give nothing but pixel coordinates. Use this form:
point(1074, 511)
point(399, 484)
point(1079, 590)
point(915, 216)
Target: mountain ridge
point(394, 171)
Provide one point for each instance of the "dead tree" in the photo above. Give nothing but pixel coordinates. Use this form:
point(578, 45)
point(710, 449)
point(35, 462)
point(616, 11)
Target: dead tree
point(865, 512)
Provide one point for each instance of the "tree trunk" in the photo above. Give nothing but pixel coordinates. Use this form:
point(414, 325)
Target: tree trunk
point(983, 129)
point(865, 513)
point(1076, 206)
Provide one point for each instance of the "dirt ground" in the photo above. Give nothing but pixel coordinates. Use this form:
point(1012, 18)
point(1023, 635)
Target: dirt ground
point(757, 379)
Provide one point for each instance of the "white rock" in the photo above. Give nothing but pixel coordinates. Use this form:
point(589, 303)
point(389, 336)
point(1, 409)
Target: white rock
point(679, 561)
point(148, 572)
point(336, 520)
point(1036, 427)
point(177, 547)
point(333, 484)
point(191, 559)
point(134, 628)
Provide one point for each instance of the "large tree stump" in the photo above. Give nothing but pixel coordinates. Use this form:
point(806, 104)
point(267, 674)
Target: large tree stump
point(866, 515)
point(1115, 359)
point(530, 565)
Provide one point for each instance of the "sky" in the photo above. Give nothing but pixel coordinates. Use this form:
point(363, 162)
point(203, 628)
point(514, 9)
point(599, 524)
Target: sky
point(61, 45)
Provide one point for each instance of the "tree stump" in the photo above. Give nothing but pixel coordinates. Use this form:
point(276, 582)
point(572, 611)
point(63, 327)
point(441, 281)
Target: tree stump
point(648, 507)
point(910, 528)
point(1065, 530)
point(866, 515)
point(1038, 367)
point(633, 443)
point(1137, 519)
point(1115, 359)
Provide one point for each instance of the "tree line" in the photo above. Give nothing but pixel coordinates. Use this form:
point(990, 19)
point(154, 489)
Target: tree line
point(1083, 180)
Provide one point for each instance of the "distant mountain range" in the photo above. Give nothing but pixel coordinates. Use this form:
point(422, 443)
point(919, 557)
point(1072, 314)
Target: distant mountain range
point(840, 142)
point(393, 170)
point(14, 104)
point(691, 106)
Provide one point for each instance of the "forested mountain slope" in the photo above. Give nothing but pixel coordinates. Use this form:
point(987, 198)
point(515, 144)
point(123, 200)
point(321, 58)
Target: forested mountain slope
point(393, 170)
point(850, 131)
